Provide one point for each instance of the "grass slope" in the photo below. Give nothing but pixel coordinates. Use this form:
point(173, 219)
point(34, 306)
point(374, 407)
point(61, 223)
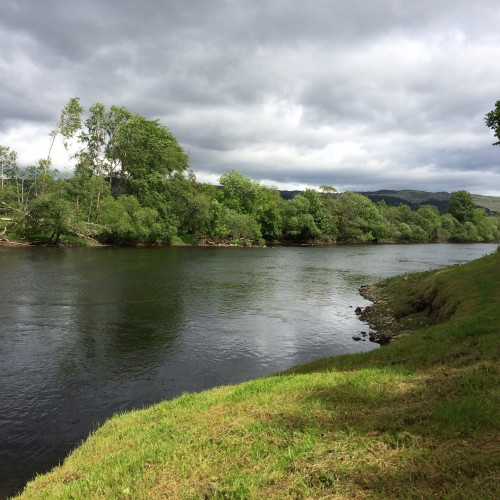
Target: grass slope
point(416, 418)
point(490, 202)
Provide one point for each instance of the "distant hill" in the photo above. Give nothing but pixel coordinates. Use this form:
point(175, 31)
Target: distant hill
point(491, 203)
point(415, 199)
point(288, 195)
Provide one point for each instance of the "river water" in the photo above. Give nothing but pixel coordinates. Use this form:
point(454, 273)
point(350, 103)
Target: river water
point(86, 333)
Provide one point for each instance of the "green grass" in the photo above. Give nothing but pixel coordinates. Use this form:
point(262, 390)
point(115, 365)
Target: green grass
point(415, 419)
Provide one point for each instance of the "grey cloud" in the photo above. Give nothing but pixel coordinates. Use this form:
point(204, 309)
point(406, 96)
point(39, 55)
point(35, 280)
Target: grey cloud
point(349, 93)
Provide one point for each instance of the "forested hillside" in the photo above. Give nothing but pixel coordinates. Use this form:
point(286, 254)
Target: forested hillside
point(132, 184)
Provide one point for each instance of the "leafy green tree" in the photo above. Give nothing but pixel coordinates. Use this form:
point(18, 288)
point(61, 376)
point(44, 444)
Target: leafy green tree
point(428, 220)
point(430, 214)
point(471, 231)
point(116, 223)
point(146, 147)
point(69, 123)
point(269, 213)
point(448, 226)
point(302, 227)
point(153, 166)
point(489, 229)
point(246, 196)
point(239, 192)
point(40, 179)
point(91, 158)
point(117, 143)
point(241, 226)
point(405, 232)
point(124, 221)
point(136, 156)
point(227, 223)
point(217, 229)
point(492, 120)
point(299, 224)
point(47, 216)
point(461, 206)
point(197, 216)
point(323, 218)
point(358, 219)
point(465, 232)
point(99, 154)
point(174, 197)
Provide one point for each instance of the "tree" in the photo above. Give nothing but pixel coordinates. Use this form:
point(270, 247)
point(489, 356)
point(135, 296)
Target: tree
point(124, 221)
point(87, 193)
point(8, 163)
point(269, 212)
point(48, 216)
point(358, 219)
point(428, 220)
point(461, 206)
point(100, 152)
point(327, 190)
point(239, 192)
point(448, 225)
point(299, 223)
point(405, 232)
point(246, 196)
point(492, 120)
point(68, 124)
point(302, 227)
point(119, 143)
point(323, 218)
point(146, 147)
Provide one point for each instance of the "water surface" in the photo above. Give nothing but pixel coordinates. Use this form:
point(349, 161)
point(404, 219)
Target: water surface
point(86, 333)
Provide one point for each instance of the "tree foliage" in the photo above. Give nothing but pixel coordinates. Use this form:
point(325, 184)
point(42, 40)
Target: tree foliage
point(492, 120)
point(132, 185)
point(461, 206)
point(69, 122)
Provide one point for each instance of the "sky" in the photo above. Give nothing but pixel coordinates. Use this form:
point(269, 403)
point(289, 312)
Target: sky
point(359, 95)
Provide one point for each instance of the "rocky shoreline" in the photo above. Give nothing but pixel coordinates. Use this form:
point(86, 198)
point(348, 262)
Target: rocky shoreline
point(378, 315)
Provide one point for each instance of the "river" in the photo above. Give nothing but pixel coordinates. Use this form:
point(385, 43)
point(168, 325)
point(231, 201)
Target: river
point(86, 333)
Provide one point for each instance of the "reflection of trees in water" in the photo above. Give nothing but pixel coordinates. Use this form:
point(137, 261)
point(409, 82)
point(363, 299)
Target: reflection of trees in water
point(128, 311)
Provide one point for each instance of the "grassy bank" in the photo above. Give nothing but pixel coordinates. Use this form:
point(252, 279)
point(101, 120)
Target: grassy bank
point(416, 418)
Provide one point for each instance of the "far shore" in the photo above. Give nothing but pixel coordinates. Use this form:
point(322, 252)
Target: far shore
point(221, 244)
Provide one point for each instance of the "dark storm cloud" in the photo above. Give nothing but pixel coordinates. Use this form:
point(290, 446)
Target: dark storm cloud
point(356, 94)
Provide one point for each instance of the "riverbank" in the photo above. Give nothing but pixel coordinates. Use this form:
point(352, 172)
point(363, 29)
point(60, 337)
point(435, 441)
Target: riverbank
point(417, 418)
point(393, 314)
point(8, 243)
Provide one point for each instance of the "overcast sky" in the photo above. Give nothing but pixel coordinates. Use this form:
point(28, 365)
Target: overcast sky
point(358, 94)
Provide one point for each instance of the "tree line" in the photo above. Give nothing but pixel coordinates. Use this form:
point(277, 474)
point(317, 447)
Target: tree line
point(132, 184)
